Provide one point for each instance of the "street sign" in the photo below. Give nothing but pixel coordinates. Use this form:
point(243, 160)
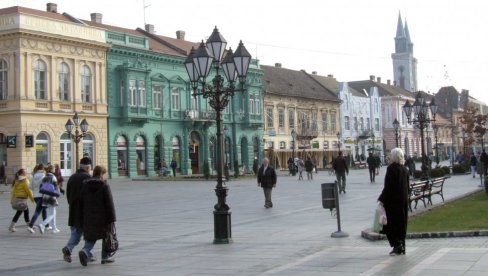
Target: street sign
point(11, 141)
point(29, 141)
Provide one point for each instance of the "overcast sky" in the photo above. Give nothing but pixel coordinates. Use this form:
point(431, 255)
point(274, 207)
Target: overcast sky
point(349, 39)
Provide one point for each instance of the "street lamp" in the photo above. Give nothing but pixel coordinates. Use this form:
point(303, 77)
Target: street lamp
point(199, 63)
point(396, 126)
point(436, 130)
point(421, 120)
point(339, 140)
point(80, 132)
point(294, 137)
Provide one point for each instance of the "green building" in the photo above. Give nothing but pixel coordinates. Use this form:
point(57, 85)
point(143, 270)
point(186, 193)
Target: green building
point(152, 115)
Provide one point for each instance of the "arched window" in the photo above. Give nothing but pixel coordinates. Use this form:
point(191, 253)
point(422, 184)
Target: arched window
point(122, 158)
point(141, 155)
point(40, 79)
point(64, 84)
point(86, 86)
point(43, 146)
point(3, 80)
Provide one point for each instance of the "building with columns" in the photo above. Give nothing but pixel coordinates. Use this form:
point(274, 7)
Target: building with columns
point(51, 66)
point(294, 101)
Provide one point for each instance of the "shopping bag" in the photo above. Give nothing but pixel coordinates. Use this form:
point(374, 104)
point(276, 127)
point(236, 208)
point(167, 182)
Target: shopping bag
point(377, 227)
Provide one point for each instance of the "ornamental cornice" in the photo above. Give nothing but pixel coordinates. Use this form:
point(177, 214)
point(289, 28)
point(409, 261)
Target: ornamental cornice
point(124, 52)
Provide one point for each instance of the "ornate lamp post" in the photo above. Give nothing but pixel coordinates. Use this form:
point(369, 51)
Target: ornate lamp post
point(80, 132)
point(339, 140)
point(396, 126)
point(436, 130)
point(372, 136)
point(200, 62)
point(421, 120)
point(294, 137)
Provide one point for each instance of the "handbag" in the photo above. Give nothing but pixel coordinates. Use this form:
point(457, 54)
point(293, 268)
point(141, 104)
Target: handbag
point(48, 188)
point(19, 204)
point(110, 244)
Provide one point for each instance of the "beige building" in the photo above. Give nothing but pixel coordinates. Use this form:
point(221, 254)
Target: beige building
point(51, 66)
point(294, 101)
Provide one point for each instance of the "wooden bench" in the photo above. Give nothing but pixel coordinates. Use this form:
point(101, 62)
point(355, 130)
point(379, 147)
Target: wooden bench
point(418, 190)
point(360, 165)
point(436, 186)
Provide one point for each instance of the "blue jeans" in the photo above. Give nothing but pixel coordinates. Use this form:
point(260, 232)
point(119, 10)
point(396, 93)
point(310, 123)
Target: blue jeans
point(74, 238)
point(88, 247)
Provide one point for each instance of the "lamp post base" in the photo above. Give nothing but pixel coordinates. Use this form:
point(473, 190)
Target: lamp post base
point(222, 227)
point(339, 234)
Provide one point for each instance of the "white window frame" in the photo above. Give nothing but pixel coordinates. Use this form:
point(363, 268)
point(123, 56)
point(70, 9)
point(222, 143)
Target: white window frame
point(86, 84)
point(157, 93)
point(3, 79)
point(132, 93)
point(64, 82)
point(40, 79)
point(175, 99)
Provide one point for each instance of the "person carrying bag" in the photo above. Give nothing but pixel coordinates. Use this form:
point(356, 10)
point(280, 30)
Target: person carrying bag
point(20, 193)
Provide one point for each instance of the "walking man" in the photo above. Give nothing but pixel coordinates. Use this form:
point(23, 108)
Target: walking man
point(75, 215)
point(173, 166)
point(309, 168)
point(371, 166)
point(267, 180)
point(340, 168)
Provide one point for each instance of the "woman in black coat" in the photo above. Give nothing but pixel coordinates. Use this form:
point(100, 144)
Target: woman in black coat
point(98, 213)
point(394, 199)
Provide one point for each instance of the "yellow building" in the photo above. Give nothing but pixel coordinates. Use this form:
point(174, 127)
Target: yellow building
point(51, 66)
point(295, 102)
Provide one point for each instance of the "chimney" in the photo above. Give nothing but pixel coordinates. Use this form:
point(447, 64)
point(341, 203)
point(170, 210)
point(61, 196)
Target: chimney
point(52, 7)
point(180, 35)
point(394, 83)
point(314, 72)
point(388, 82)
point(149, 28)
point(278, 65)
point(96, 17)
point(378, 79)
point(371, 77)
point(330, 75)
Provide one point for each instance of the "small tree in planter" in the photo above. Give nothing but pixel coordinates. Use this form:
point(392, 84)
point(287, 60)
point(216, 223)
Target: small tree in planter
point(458, 169)
point(206, 170)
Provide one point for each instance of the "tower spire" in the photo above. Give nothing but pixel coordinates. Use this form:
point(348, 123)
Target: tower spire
point(407, 33)
point(400, 30)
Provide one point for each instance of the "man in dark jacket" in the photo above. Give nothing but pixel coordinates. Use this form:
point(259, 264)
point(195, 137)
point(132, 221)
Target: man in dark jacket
point(371, 166)
point(484, 160)
point(75, 217)
point(340, 168)
point(267, 180)
point(309, 168)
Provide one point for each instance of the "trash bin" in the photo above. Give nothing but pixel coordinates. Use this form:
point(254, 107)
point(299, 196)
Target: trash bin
point(328, 196)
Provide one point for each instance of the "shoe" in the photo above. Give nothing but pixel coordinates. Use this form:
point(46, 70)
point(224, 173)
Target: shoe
point(93, 259)
point(108, 261)
point(41, 228)
point(49, 227)
point(398, 250)
point(83, 258)
point(66, 254)
point(31, 230)
point(11, 228)
point(56, 230)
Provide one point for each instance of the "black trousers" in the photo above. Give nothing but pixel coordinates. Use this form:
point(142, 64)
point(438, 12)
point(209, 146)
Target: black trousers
point(396, 229)
point(372, 173)
point(18, 213)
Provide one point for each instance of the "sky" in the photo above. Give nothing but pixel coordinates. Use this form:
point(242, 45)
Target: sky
point(350, 39)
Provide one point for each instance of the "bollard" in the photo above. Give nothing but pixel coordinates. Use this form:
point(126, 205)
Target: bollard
point(330, 200)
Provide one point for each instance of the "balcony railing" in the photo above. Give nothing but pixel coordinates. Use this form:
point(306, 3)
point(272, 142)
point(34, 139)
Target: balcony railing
point(197, 115)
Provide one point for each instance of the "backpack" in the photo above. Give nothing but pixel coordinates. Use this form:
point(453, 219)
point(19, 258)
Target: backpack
point(48, 187)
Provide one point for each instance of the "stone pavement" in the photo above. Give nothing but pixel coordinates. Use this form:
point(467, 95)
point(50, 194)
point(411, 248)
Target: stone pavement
point(166, 228)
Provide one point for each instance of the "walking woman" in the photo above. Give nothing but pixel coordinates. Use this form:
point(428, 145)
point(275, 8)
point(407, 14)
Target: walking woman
point(394, 199)
point(39, 174)
point(59, 177)
point(20, 192)
point(98, 214)
point(50, 202)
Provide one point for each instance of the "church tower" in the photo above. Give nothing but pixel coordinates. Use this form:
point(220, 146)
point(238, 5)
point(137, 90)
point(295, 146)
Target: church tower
point(404, 64)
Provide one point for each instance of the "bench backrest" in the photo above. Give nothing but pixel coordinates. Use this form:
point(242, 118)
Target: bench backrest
point(437, 182)
point(418, 186)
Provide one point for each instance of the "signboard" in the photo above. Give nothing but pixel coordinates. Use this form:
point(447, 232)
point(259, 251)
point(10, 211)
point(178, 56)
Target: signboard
point(29, 141)
point(11, 141)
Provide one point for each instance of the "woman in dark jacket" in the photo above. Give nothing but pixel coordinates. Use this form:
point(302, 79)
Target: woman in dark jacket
point(98, 213)
point(394, 199)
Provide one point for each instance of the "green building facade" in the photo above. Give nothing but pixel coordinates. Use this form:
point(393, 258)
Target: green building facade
point(152, 115)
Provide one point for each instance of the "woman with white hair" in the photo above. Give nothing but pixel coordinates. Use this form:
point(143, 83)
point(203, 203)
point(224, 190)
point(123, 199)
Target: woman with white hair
point(394, 199)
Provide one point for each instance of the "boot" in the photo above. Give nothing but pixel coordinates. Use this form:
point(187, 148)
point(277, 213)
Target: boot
point(11, 228)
